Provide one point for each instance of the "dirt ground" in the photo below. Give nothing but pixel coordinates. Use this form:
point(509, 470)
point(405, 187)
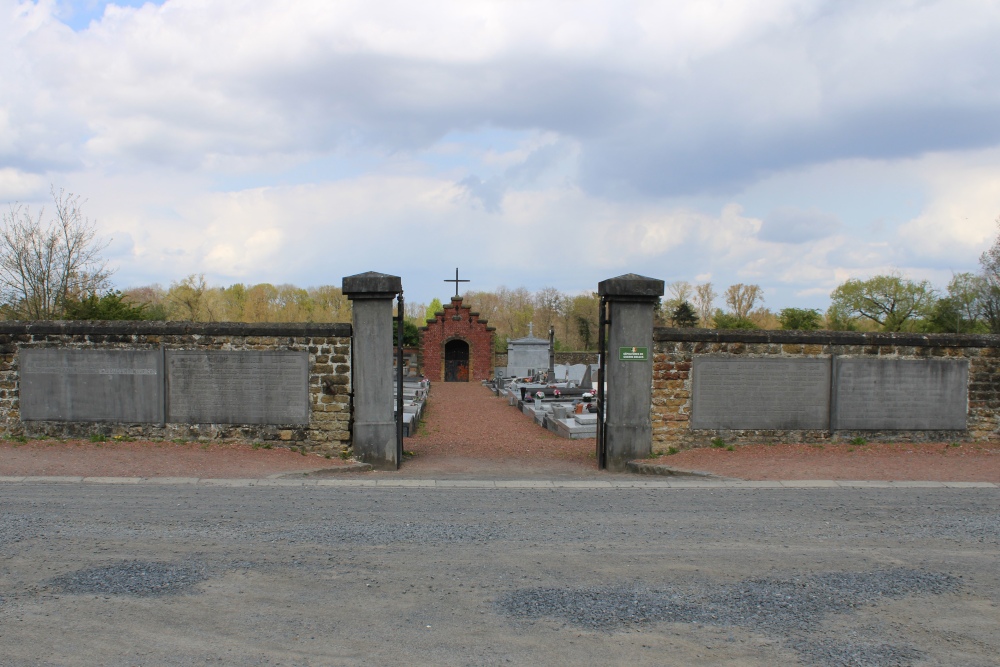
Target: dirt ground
point(939, 462)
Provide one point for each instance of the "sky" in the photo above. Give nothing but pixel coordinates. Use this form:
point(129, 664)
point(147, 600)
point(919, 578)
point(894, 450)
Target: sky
point(793, 145)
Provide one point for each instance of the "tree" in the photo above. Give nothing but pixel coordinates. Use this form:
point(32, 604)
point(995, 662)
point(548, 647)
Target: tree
point(989, 296)
point(890, 301)
point(962, 310)
point(731, 321)
point(111, 306)
point(684, 316)
point(185, 299)
point(411, 334)
point(704, 302)
point(742, 298)
point(679, 291)
point(44, 264)
point(434, 307)
point(799, 319)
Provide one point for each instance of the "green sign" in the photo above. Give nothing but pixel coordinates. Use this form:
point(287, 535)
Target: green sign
point(633, 354)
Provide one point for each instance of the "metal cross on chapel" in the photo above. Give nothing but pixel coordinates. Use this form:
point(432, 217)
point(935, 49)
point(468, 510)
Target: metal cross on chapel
point(456, 281)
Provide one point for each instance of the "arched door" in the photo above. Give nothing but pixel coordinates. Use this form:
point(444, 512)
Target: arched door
point(456, 361)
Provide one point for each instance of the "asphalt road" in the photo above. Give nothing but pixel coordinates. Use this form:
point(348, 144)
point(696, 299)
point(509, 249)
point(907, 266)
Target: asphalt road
point(187, 575)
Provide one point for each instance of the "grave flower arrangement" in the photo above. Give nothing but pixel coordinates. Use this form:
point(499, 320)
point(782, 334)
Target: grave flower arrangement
point(557, 393)
point(539, 395)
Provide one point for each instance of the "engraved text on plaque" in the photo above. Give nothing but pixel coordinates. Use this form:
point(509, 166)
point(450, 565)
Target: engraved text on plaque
point(778, 394)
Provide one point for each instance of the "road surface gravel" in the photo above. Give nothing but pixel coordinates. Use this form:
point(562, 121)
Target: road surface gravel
point(190, 575)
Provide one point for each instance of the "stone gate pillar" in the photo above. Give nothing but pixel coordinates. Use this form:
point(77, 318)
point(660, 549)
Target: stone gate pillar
point(374, 434)
point(629, 363)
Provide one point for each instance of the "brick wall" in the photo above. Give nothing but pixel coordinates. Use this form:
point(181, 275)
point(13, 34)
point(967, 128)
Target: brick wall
point(457, 321)
point(675, 349)
point(328, 347)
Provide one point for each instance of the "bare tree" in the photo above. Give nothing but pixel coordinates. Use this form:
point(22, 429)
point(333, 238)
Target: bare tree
point(704, 302)
point(680, 291)
point(45, 264)
point(742, 298)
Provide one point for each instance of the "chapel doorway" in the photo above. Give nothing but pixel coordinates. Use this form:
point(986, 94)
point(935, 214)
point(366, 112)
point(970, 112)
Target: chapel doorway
point(456, 361)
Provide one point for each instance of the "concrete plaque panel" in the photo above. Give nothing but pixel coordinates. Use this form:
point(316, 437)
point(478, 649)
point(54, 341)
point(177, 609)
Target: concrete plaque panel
point(912, 395)
point(778, 394)
point(240, 387)
point(91, 385)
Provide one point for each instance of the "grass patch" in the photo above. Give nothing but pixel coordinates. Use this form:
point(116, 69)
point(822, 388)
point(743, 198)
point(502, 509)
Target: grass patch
point(671, 450)
point(858, 442)
point(98, 437)
point(718, 443)
point(955, 444)
point(730, 448)
point(179, 441)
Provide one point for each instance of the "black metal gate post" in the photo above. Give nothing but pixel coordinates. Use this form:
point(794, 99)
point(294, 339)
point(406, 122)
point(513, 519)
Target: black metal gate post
point(399, 379)
point(602, 360)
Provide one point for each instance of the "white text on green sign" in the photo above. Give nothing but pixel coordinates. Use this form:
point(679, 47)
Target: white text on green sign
point(633, 354)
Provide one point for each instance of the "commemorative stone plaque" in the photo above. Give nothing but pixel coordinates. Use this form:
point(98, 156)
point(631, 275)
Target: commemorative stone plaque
point(913, 395)
point(91, 385)
point(240, 387)
point(778, 394)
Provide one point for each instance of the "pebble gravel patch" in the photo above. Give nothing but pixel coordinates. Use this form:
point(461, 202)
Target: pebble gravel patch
point(388, 533)
point(789, 608)
point(134, 578)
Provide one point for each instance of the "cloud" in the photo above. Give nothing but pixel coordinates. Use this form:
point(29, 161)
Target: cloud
point(793, 225)
point(707, 96)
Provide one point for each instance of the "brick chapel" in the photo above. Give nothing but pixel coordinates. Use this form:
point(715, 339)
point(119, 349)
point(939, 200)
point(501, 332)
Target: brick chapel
point(456, 346)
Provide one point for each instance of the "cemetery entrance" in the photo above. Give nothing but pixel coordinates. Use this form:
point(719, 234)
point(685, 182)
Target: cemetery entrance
point(456, 361)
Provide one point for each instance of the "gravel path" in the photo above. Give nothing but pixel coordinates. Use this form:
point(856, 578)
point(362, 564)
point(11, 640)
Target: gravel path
point(469, 431)
point(180, 575)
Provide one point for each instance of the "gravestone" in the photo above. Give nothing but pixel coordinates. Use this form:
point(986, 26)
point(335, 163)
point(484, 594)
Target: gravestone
point(91, 385)
point(239, 387)
point(527, 354)
point(912, 395)
point(765, 394)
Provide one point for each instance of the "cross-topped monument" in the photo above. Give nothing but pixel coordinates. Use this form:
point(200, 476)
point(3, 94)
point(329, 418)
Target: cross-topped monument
point(456, 281)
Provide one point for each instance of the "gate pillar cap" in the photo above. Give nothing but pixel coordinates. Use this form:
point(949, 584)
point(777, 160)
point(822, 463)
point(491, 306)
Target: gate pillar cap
point(371, 285)
point(631, 286)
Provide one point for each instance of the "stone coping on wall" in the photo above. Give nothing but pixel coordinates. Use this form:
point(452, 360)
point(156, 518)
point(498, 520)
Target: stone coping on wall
point(159, 328)
point(866, 338)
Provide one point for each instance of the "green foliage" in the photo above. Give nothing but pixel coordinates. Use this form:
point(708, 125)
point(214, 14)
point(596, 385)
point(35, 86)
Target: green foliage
point(684, 316)
point(799, 319)
point(730, 321)
point(98, 437)
point(434, 307)
point(858, 441)
point(963, 309)
point(891, 301)
point(718, 443)
point(111, 306)
point(671, 450)
point(411, 333)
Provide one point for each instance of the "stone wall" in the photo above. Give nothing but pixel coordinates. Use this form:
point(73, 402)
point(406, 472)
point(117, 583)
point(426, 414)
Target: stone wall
point(674, 351)
point(457, 321)
point(329, 376)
